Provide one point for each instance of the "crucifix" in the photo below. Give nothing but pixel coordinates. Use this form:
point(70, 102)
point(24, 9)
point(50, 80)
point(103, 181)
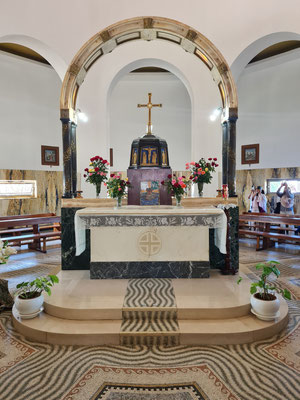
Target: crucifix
point(149, 106)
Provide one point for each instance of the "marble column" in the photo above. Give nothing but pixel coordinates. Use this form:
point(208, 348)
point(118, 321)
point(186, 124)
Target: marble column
point(229, 151)
point(69, 158)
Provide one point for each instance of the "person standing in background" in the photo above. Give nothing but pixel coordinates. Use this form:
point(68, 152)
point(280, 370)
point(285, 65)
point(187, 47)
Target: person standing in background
point(286, 199)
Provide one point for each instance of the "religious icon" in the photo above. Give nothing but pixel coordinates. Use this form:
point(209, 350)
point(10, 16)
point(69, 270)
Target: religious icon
point(250, 154)
point(153, 160)
point(144, 156)
point(50, 155)
point(134, 157)
point(149, 193)
point(163, 157)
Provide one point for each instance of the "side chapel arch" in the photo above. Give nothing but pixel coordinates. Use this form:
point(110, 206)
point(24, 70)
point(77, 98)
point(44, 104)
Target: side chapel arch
point(147, 28)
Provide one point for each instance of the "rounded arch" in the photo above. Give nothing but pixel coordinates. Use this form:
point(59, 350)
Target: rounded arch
point(43, 49)
point(256, 47)
point(153, 62)
point(147, 28)
point(178, 74)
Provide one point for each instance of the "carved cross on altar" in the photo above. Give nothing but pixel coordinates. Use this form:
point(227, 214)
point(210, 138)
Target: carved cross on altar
point(149, 106)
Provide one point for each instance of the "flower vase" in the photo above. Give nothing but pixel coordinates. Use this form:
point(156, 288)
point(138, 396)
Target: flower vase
point(98, 189)
point(178, 201)
point(200, 189)
point(118, 202)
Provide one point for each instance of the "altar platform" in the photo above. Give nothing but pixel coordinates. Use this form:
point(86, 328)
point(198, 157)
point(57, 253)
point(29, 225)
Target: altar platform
point(148, 311)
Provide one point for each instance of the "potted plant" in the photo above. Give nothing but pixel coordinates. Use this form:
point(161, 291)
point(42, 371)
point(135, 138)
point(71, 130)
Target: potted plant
point(176, 186)
point(117, 188)
point(201, 172)
point(265, 304)
point(29, 298)
point(96, 173)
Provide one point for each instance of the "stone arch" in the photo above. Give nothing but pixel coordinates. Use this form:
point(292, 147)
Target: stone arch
point(147, 28)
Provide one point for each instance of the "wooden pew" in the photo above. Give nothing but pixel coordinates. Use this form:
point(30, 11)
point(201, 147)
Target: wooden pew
point(263, 229)
point(35, 238)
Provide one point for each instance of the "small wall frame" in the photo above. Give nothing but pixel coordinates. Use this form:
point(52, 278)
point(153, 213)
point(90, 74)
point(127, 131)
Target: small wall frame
point(250, 154)
point(50, 155)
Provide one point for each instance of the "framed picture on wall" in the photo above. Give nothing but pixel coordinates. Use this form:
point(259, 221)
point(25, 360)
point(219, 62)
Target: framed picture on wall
point(50, 155)
point(250, 154)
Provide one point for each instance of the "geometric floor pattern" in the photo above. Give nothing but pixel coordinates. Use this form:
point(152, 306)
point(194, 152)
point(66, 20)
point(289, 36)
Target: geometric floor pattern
point(263, 370)
point(149, 307)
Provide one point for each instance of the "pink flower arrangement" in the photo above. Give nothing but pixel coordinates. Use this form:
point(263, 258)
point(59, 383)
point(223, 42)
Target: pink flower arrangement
point(202, 170)
point(177, 186)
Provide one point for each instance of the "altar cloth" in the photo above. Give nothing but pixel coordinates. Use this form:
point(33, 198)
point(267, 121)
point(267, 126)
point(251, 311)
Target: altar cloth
point(149, 216)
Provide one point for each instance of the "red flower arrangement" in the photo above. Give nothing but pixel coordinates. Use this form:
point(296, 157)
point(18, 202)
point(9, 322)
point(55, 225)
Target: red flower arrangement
point(202, 170)
point(97, 171)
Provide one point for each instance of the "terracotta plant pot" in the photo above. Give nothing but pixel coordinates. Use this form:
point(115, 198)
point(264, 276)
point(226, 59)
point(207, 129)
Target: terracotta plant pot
point(29, 306)
point(265, 309)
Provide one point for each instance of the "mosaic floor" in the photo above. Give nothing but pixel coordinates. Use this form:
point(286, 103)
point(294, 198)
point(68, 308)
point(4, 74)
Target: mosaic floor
point(264, 370)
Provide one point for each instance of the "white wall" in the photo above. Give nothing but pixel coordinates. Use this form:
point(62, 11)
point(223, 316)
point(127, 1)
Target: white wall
point(29, 112)
point(231, 26)
point(172, 122)
point(93, 138)
point(269, 104)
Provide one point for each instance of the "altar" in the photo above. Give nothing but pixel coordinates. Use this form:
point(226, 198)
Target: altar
point(150, 242)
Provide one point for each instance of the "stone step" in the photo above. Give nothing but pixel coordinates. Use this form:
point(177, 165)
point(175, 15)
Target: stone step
point(48, 329)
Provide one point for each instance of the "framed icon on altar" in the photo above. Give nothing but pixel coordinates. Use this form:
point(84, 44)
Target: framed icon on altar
point(50, 155)
point(149, 193)
point(250, 154)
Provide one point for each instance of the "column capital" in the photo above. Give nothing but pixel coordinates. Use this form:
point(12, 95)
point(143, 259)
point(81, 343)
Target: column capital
point(68, 115)
point(230, 114)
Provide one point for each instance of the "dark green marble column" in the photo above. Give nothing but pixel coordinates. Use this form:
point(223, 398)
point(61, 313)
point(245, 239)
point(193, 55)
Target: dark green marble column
point(225, 153)
point(229, 151)
point(69, 158)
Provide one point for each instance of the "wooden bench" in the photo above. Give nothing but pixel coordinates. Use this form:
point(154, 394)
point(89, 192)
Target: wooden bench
point(265, 224)
point(43, 237)
point(13, 230)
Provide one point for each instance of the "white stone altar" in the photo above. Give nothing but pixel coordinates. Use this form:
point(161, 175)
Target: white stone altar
point(143, 242)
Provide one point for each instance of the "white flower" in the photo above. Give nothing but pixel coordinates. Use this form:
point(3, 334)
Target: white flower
point(8, 251)
point(1, 244)
point(2, 259)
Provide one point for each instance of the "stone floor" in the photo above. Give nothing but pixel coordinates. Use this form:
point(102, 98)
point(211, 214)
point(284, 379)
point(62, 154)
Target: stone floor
point(264, 370)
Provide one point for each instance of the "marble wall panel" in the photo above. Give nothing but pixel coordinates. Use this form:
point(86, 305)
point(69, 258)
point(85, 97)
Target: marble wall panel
point(49, 193)
point(258, 177)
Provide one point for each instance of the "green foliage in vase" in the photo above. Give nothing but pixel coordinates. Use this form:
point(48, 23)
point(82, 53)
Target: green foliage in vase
point(30, 290)
point(263, 288)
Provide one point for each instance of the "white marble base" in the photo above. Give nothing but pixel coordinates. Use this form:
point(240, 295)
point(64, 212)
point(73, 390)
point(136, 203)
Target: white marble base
point(148, 243)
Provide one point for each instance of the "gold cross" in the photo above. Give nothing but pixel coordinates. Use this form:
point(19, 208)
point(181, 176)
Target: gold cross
point(149, 106)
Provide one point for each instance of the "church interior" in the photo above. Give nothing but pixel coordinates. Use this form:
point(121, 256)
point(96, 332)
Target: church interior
point(149, 200)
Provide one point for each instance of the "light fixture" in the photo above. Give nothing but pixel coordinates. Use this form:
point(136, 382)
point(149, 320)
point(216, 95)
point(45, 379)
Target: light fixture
point(214, 115)
point(81, 115)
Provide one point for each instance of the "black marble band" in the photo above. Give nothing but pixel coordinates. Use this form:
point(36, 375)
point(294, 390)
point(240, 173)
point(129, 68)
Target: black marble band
point(149, 269)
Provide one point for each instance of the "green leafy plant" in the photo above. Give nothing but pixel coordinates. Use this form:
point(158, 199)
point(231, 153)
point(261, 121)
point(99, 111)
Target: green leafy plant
point(33, 289)
point(263, 288)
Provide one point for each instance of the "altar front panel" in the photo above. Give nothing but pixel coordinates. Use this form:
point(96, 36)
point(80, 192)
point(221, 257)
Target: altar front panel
point(157, 242)
point(149, 243)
